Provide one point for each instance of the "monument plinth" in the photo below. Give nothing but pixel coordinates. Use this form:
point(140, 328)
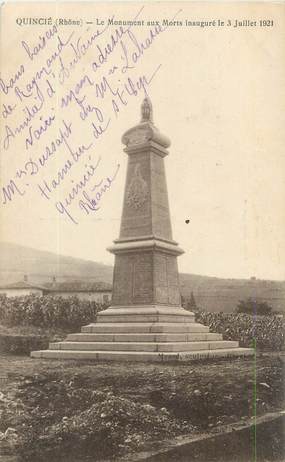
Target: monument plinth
point(146, 321)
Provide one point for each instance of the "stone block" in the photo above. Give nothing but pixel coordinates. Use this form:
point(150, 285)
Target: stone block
point(143, 337)
point(147, 313)
point(143, 346)
point(145, 327)
point(141, 356)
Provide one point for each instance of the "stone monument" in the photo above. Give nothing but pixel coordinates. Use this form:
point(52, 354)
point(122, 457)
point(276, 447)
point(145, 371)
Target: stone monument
point(146, 321)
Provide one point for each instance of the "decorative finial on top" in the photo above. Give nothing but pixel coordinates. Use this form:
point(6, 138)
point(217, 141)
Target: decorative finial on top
point(146, 110)
point(145, 132)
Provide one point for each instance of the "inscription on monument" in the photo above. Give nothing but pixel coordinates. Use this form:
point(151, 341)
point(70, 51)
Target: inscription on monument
point(143, 281)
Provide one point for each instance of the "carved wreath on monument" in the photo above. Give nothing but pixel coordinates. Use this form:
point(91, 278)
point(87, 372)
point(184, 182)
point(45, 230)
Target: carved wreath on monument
point(137, 192)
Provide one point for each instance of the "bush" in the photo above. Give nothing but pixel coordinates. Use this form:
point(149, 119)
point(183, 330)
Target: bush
point(266, 332)
point(48, 312)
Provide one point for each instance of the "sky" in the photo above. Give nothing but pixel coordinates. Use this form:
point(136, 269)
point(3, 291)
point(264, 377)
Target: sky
point(217, 93)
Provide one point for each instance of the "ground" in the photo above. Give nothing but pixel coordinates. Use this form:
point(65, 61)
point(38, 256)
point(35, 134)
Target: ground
point(135, 403)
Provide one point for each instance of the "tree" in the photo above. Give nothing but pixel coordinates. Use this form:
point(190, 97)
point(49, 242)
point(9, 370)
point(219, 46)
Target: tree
point(189, 304)
point(253, 307)
point(192, 302)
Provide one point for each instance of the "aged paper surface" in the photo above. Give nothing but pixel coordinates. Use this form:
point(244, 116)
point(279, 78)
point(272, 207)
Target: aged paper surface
point(73, 77)
point(72, 83)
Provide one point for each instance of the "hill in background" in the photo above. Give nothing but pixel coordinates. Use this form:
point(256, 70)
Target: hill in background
point(41, 266)
point(211, 293)
point(216, 294)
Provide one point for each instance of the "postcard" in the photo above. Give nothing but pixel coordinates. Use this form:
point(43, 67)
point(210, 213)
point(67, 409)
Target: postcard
point(140, 136)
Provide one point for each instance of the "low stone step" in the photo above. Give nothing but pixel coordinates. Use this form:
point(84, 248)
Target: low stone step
point(145, 327)
point(145, 313)
point(141, 356)
point(145, 318)
point(143, 346)
point(143, 337)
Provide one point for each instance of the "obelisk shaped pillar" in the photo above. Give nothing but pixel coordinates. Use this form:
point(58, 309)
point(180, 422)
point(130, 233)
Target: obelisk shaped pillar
point(145, 271)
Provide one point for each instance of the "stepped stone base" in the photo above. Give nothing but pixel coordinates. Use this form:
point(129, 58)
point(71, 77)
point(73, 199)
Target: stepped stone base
point(144, 333)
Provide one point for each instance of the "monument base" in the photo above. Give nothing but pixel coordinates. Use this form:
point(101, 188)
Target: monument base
point(144, 333)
